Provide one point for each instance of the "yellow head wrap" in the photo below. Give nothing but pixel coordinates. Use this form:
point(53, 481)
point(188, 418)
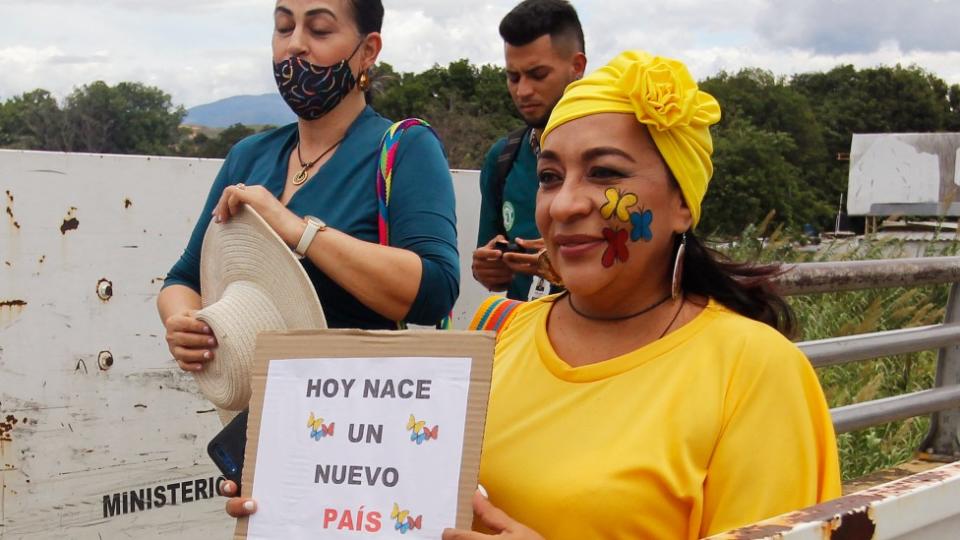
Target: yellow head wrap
point(662, 95)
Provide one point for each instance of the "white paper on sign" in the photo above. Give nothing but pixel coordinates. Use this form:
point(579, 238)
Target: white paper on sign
point(360, 448)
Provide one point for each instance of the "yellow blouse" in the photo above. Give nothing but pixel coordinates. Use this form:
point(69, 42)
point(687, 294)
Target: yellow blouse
point(717, 425)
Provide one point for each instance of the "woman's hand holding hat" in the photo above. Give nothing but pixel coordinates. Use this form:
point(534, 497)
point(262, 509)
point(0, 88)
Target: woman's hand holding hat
point(190, 341)
point(285, 223)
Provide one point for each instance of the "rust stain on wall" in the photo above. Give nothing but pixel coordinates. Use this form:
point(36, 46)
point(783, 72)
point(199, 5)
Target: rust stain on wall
point(127, 203)
point(6, 428)
point(13, 219)
point(10, 310)
point(70, 222)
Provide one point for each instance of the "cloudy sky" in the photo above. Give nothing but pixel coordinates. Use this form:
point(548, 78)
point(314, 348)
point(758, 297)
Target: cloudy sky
point(203, 50)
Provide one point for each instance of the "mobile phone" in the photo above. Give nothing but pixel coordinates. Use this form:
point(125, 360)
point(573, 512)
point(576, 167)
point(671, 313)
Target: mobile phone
point(226, 448)
point(508, 247)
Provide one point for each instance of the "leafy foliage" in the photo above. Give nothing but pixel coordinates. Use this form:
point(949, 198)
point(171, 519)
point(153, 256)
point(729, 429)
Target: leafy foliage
point(200, 144)
point(822, 316)
point(775, 149)
point(468, 106)
point(129, 118)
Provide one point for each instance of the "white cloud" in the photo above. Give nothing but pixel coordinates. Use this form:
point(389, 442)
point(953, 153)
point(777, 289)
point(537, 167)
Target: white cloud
point(200, 51)
point(791, 61)
point(861, 26)
point(417, 37)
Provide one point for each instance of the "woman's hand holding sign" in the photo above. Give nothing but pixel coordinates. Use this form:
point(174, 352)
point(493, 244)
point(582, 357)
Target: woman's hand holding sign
point(494, 519)
point(237, 507)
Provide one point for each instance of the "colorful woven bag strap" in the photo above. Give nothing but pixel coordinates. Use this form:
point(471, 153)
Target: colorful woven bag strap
point(388, 157)
point(494, 314)
point(389, 145)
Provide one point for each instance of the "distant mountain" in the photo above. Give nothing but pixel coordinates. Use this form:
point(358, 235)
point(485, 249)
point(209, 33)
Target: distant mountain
point(267, 109)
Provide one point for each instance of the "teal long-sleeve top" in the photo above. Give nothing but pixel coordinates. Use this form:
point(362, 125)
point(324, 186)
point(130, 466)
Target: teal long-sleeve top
point(518, 213)
point(343, 193)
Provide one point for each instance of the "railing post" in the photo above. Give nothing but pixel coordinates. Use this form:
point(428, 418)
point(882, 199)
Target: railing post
point(944, 436)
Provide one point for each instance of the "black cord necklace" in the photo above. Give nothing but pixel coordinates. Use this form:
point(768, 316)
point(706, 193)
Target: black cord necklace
point(647, 309)
point(302, 175)
point(683, 301)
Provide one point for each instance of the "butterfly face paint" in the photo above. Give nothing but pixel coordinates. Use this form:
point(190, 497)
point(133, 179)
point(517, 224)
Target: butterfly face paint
point(618, 203)
point(616, 247)
point(617, 208)
point(641, 226)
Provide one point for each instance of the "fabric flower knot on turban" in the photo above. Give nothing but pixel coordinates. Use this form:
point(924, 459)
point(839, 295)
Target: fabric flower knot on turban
point(662, 94)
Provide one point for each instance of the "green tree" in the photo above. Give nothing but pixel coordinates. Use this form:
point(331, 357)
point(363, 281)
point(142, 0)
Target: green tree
point(34, 121)
point(876, 100)
point(129, 118)
point(753, 175)
point(761, 109)
point(467, 105)
point(953, 97)
point(218, 147)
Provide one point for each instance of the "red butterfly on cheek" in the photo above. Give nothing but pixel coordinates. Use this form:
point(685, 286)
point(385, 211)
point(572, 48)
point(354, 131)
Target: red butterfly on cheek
point(616, 247)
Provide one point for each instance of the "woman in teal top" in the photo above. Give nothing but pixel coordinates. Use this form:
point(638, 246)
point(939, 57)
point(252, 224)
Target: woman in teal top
point(325, 166)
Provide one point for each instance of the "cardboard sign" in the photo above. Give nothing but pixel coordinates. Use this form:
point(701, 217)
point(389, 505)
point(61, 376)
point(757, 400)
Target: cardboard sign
point(356, 434)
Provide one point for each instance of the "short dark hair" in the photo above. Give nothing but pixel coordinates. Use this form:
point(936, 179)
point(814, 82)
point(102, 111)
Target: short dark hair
point(532, 19)
point(368, 14)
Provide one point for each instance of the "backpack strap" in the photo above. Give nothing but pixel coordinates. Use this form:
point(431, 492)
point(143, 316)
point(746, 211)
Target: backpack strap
point(505, 160)
point(389, 145)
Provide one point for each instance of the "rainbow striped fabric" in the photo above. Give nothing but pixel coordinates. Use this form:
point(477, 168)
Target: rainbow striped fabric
point(494, 314)
point(388, 157)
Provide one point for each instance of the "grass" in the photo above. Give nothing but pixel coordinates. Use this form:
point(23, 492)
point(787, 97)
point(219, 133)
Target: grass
point(840, 314)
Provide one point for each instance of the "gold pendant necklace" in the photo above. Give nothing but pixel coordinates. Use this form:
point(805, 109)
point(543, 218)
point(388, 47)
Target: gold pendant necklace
point(301, 177)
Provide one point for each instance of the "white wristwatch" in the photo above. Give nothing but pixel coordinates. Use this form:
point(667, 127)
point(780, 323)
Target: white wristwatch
point(314, 225)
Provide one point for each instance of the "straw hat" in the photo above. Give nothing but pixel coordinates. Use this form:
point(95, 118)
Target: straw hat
point(251, 282)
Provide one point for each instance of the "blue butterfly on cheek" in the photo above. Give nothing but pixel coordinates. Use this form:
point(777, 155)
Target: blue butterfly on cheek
point(641, 226)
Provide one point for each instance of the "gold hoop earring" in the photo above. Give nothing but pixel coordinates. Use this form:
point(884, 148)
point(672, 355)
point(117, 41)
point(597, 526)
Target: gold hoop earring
point(676, 286)
point(364, 82)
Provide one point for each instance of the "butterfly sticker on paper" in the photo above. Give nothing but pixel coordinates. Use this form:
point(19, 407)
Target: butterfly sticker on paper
point(419, 432)
point(403, 521)
point(318, 429)
point(616, 247)
point(641, 226)
point(619, 204)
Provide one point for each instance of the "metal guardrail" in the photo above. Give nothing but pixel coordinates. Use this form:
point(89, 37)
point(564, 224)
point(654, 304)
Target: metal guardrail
point(809, 278)
point(922, 506)
point(943, 401)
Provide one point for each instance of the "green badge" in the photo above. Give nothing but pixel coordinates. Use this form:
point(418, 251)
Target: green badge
point(509, 215)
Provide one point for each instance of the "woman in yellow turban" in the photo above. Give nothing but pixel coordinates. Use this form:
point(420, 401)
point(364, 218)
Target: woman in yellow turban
point(658, 397)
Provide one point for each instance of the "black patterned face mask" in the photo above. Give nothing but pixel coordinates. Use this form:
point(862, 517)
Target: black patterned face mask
point(312, 91)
